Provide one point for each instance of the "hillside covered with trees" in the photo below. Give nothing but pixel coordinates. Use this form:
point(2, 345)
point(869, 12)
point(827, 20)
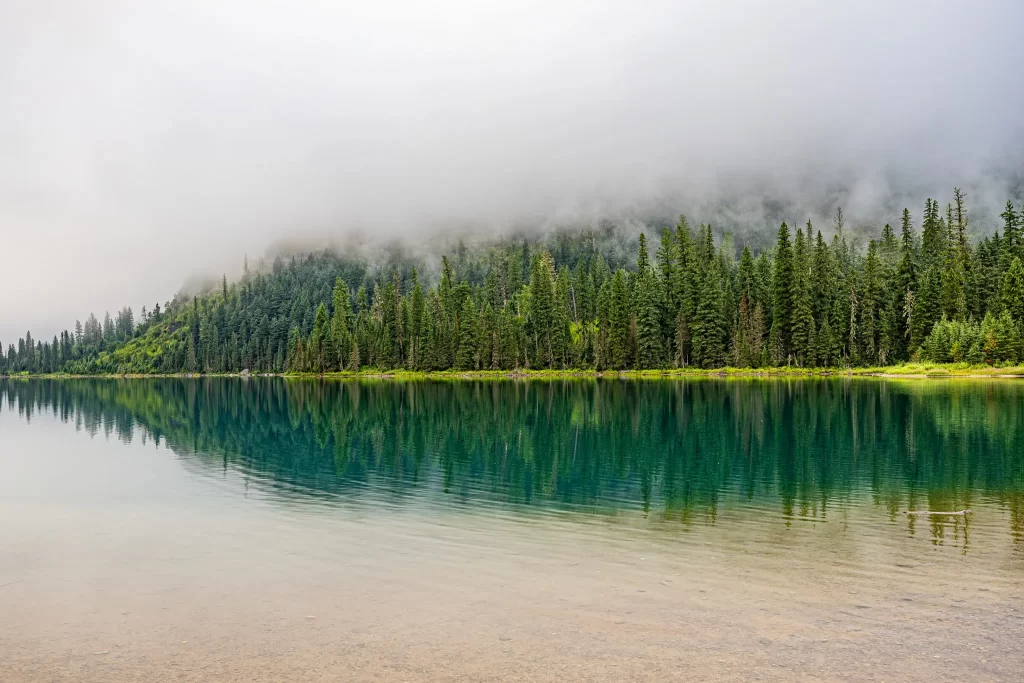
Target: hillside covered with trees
point(571, 299)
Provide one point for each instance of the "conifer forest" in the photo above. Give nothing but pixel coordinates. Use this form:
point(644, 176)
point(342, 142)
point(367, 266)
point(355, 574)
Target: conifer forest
point(576, 299)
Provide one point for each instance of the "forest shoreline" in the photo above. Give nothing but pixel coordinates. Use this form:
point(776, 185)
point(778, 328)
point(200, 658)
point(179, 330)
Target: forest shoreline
point(928, 371)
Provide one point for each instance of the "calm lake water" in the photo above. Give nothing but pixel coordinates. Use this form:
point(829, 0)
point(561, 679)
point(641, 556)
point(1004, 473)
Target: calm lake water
point(264, 529)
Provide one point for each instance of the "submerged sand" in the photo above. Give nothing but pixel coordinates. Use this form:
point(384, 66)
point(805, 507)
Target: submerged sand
point(293, 596)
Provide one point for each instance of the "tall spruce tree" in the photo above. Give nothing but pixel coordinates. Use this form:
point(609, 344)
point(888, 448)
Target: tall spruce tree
point(685, 288)
point(904, 291)
point(1011, 243)
point(1013, 291)
point(782, 296)
point(954, 276)
point(709, 331)
point(468, 355)
point(619, 356)
point(933, 237)
point(802, 322)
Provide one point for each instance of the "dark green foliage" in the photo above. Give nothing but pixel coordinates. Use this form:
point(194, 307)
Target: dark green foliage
point(869, 327)
point(649, 333)
point(802, 326)
point(709, 333)
point(619, 342)
point(782, 298)
point(933, 235)
point(468, 357)
point(902, 293)
point(687, 448)
point(575, 299)
point(1012, 293)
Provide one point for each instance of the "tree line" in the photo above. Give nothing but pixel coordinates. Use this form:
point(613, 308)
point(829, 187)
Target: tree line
point(571, 301)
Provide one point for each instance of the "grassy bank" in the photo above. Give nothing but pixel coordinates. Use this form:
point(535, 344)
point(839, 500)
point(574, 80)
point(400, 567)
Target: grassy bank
point(909, 370)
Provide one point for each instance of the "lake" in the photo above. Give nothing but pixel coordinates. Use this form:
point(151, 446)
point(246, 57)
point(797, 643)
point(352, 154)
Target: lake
point(602, 530)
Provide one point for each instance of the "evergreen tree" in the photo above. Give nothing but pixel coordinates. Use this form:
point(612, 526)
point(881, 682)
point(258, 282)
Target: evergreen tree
point(417, 306)
point(1013, 291)
point(341, 321)
point(802, 323)
point(667, 262)
point(954, 276)
point(643, 261)
point(541, 303)
point(353, 358)
point(782, 295)
point(648, 321)
point(709, 326)
point(869, 328)
point(468, 355)
point(933, 237)
point(926, 307)
point(320, 341)
point(685, 288)
point(618, 322)
point(191, 364)
point(561, 334)
point(903, 293)
point(1011, 243)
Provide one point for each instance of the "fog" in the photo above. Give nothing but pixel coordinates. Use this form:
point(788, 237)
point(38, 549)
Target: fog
point(142, 143)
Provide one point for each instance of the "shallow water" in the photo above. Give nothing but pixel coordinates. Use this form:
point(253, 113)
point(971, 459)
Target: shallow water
point(263, 529)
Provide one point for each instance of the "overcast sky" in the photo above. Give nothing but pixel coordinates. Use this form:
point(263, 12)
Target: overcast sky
point(144, 142)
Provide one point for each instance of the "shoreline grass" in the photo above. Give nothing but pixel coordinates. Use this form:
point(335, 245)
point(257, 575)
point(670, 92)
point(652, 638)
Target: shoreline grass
point(906, 371)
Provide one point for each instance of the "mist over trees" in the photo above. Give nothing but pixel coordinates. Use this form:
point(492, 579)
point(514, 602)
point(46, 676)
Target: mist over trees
point(574, 299)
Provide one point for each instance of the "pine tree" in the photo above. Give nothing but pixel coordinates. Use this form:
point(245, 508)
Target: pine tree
point(825, 343)
point(468, 355)
point(1011, 243)
point(954, 276)
point(802, 322)
point(353, 358)
point(685, 288)
point(341, 334)
point(541, 304)
point(905, 286)
point(191, 364)
point(709, 332)
point(417, 306)
point(561, 334)
point(1008, 339)
point(513, 276)
point(319, 341)
point(933, 237)
point(927, 308)
point(648, 321)
point(1013, 290)
point(869, 331)
point(427, 359)
point(618, 322)
point(782, 295)
point(746, 277)
point(888, 247)
point(748, 338)
point(389, 340)
point(959, 198)
point(667, 262)
point(488, 341)
point(643, 261)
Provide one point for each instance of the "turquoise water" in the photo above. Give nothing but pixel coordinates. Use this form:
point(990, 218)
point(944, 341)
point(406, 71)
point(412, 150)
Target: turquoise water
point(674, 451)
